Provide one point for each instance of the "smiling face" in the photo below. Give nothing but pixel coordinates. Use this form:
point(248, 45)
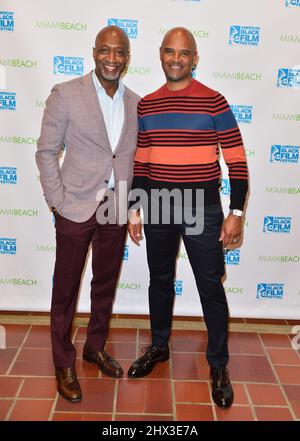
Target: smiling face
point(111, 54)
point(178, 55)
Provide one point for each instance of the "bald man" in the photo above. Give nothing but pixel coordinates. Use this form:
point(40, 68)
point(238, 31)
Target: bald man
point(181, 126)
point(94, 117)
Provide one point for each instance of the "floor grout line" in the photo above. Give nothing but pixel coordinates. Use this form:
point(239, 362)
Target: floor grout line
point(18, 351)
point(14, 401)
point(114, 409)
point(278, 381)
point(250, 402)
point(173, 388)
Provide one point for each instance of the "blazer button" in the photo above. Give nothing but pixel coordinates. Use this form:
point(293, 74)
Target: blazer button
point(106, 181)
point(114, 156)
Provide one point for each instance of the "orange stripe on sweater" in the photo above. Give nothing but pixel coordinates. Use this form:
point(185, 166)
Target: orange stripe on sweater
point(234, 154)
point(177, 155)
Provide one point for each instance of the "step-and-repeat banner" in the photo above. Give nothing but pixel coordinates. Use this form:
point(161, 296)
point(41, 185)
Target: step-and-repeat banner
point(249, 51)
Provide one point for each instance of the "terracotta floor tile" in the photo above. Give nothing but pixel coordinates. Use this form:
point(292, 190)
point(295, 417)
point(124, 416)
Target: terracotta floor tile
point(252, 368)
point(4, 408)
point(240, 396)
point(144, 396)
point(6, 357)
point(293, 395)
point(266, 321)
point(9, 386)
point(236, 320)
point(81, 334)
point(185, 366)
point(266, 394)
point(191, 392)
point(98, 395)
point(122, 350)
point(38, 388)
point(245, 343)
point(293, 322)
point(84, 369)
point(144, 336)
point(39, 336)
point(188, 335)
point(15, 334)
point(143, 417)
point(273, 414)
point(34, 361)
point(122, 335)
point(193, 412)
point(31, 410)
point(276, 341)
point(235, 413)
point(76, 416)
point(185, 345)
point(284, 356)
point(288, 374)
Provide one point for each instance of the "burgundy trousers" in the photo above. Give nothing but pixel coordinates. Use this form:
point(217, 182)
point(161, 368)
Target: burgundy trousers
point(72, 244)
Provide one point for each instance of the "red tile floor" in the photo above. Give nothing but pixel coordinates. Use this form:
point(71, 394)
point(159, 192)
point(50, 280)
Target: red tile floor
point(264, 368)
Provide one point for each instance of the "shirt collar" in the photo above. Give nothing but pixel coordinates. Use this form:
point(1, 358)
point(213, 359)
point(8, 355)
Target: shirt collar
point(100, 89)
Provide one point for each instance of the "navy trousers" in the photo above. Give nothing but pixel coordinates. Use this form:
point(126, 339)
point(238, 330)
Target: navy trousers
point(205, 253)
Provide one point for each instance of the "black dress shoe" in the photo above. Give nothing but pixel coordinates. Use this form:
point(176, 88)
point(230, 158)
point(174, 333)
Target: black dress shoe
point(222, 391)
point(144, 365)
point(105, 362)
point(67, 384)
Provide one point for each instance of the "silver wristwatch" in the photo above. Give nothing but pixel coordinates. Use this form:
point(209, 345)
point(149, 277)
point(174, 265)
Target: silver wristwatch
point(236, 212)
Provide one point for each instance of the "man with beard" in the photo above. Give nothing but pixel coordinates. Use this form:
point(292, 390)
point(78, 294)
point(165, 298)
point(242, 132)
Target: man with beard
point(180, 128)
point(94, 117)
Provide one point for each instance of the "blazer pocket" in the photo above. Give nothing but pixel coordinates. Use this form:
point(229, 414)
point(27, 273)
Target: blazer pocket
point(73, 178)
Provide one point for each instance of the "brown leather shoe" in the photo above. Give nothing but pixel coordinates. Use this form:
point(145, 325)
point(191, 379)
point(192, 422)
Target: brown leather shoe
point(105, 362)
point(67, 384)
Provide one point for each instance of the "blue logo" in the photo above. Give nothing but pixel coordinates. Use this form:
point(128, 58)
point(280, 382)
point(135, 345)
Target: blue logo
point(289, 3)
point(8, 245)
point(243, 114)
point(178, 285)
point(8, 101)
point(288, 78)
point(269, 291)
point(277, 224)
point(232, 257)
point(284, 153)
point(225, 187)
point(68, 65)
point(129, 26)
point(8, 175)
point(7, 22)
point(244, 35)
point(126, 252)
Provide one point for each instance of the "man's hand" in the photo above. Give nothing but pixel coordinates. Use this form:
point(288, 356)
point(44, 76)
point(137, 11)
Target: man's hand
point(134, 227)
point(231, 230)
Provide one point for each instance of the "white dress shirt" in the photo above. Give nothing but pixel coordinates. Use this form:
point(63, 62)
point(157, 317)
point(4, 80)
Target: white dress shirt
point(113, 113)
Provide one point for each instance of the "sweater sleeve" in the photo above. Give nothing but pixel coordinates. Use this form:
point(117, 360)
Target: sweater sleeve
point(230, 140)
point(143, 141)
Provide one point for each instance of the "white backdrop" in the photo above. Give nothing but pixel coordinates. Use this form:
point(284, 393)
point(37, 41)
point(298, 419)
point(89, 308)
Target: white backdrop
point(249, 51)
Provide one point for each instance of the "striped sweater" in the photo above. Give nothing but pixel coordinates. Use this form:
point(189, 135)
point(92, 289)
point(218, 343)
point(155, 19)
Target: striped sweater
point(178, 143)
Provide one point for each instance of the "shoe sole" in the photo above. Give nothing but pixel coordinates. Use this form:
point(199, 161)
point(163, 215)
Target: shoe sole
point(93, 361)
point(145, 375)
point(71, 400)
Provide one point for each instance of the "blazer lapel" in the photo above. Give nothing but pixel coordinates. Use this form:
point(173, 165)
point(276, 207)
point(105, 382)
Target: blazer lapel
point(127, 116)
point(92, 102)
